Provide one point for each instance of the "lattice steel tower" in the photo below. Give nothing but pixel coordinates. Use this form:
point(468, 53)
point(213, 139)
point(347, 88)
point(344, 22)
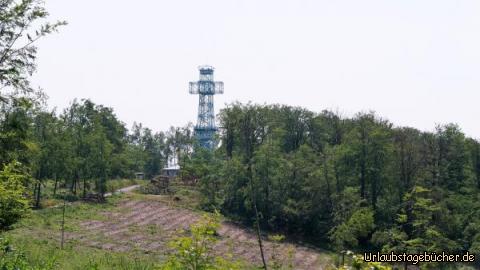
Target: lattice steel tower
point(206, 88)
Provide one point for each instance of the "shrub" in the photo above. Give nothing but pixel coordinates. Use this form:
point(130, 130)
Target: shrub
point(14, 202)
point(12, 259)
point(195, 251)
point(359, 225)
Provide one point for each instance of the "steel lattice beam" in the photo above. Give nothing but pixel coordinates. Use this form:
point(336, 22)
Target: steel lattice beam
point(206, 88)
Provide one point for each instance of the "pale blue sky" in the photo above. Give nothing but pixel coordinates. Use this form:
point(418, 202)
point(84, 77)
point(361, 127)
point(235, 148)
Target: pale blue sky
point(416, 63)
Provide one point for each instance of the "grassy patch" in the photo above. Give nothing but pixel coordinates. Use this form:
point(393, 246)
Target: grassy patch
point(38, 237)
point(75, 212)
point(48, 199)
point(77, 257)
point(179, 195)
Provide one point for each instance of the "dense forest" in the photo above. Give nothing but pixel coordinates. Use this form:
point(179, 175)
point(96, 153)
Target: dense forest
point(356, 183)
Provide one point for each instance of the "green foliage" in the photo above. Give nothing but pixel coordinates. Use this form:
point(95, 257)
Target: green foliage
point(12, 259)
point(146, 152)
point(34, 254)
point(279, 261)
point(17, 50)
point(358, 263)
point(195, 251)
point(13, 201)
point(37, 238)
point(352, 182)
point(358, 226)
point(21, 26)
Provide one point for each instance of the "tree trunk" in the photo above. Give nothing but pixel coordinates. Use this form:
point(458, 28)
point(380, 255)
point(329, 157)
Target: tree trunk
point(363, 162)
point(63, 221)
point(362, 180)
point(73, 187)
point(266, 183)
point(38, 193)
point(327, 180)
point(260, 244)
point(374, 192)
point(477, 164)
point(55, 186)
point(84, 188)
point(257, 216)
point(249, 145)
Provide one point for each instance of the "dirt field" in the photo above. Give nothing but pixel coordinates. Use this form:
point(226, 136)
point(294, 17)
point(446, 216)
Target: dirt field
point(147, 226)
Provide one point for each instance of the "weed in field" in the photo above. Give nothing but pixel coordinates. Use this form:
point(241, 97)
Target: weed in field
point(153, 229)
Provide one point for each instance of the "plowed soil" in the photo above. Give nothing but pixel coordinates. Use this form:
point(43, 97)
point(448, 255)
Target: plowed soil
point(148, 226)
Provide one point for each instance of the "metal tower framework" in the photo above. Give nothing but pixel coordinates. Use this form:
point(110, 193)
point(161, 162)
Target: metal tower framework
point(206, 88)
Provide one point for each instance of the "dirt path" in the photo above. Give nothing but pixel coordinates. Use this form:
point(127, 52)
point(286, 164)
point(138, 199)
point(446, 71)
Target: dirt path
point(148, 226)
point(123, 190)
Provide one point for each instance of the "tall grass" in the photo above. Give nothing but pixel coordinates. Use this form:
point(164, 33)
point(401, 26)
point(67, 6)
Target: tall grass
point(39, 252)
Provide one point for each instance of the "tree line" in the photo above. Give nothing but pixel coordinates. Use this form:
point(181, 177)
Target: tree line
point(83, 146)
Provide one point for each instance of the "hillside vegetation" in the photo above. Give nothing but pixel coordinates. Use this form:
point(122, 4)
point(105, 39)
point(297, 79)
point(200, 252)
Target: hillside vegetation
point(347, 183)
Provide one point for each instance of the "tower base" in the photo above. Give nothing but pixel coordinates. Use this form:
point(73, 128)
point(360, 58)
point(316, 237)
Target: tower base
point(206, 137)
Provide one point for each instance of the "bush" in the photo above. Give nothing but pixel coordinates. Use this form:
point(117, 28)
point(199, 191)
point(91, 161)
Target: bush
point(12, 259)
point(196, 250)
point(359, 225)
point(358, 263)
point(14, 202)
point(151, 189)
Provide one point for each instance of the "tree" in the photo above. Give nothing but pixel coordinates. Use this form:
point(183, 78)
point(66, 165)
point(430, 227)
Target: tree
point(15, 123)
point(406, 154)
point(474, 149)
point(96, 140)
point(451, 156)
point(156, 152)
point(46, 160)
point(425, 235)
point(371, 147)
point(17, 50)
point(18, 100)
point(14, 203)
point(17, 63)
point(358, 226)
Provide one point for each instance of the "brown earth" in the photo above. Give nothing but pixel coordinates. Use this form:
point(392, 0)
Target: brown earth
point(148, 226)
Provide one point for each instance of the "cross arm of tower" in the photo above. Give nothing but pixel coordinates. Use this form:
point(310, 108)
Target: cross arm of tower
point(203, 88)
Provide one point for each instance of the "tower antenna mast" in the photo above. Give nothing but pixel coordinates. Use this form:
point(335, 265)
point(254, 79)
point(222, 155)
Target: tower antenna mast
point(206, 88)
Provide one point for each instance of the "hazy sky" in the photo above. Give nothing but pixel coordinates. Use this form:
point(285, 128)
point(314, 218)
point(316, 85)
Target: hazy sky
point(416, 63)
